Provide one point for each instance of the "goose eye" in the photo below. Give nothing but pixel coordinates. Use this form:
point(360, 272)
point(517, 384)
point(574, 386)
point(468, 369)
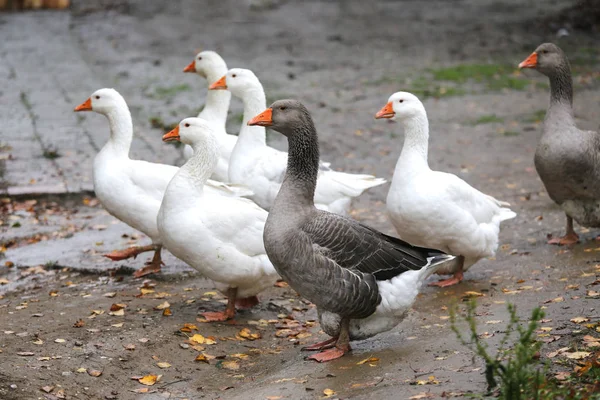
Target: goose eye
point(97, 97)
point(282, 108)
point(401, 101)
point(233, 76)
point(199, 58)
point(186, 125)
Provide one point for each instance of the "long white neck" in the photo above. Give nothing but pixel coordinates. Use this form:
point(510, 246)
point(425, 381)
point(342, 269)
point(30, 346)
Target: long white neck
point(416, 142)
point(121, 131)
point(255, 102)
point(217, 101)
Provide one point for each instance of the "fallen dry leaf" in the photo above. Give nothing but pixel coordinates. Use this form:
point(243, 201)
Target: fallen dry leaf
point(167, 312)
point(422, 395)
point(577, 355)
point(129, 346)
point(117, 306)
point(203, 358)
point(110, 294)
point(592, 293)
point(555, 300)
point(163, 365)
point(368, 360)
point(328, 392)
point(241, 356)
point(119, 325)
point(143, 340)
point(79, 323)
point(146, 291)
point(149, 380)
point(81, 370)
point(59, 340)
point(118, 313)
point(188, 328)
point(563, 375)
point(162, 305)
point(471, 293)
point(493, 322)
point(230, 365)
point(47, 389)
point(94, 372)
point(248, 335)
point(579, 320)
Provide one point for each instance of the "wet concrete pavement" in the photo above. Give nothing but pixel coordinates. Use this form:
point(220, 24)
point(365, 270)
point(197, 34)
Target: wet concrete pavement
point(343, 60)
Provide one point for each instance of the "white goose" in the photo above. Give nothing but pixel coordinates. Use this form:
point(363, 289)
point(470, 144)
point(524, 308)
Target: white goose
point(211, 66)
point(262, 168)
point(132, 190)
point(437, 209)
point(222, 237)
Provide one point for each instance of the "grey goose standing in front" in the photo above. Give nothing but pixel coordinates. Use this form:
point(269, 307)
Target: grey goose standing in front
point(362, 281)
point(567, 159)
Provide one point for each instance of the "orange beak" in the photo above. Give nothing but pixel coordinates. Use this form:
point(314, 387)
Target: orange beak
point(221, 84)
point(171, 135)
point(386, 112)
point(191, 67)
point(265, 118)
point(85, 106)
point(530, 62)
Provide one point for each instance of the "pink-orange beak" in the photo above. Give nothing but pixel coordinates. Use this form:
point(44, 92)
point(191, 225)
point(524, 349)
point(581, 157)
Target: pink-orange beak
point(529, 62)
point(265, 118)
point(221, 84)
point(191, 67)
point(85, 106)
point(386, 112)
point(171, 135)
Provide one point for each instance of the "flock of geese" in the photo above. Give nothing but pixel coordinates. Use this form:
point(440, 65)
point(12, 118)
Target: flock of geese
point(245, 214)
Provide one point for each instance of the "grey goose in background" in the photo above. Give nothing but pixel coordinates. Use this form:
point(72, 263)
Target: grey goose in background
point(567, 159)
point(362, 281)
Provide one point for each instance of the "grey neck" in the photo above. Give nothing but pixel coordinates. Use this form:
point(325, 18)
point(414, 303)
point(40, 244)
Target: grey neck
point(303, 164)
point(561, 84)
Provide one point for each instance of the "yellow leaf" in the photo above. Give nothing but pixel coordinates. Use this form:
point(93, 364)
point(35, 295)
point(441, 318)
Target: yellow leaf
point(471, 293)
point(592, 293)
point(202, 357)
point(167, 312)
point(81, 370)
point(118, 313)
point(162, 306)
point(59, 340)
point(38, 342)
point(368, 360)
point(210, 340)
point(146, 291)
point(328, 392)
point(110, 294)
point(4, 281)
point(579, 320)
point(163, 365)
point(247, 334)
point(198, 338)
point(545, 328)
point(493, 322)
point(119, 325)
point(188, 328)
point(210, 294)
point(230, 365)
point(149, 380)
point(577, 355)
point(241, 356)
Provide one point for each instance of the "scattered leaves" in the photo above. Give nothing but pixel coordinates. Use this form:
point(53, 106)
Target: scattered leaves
point(578, 355)
point(245, 333)
point(230, 365)
point(579, 320)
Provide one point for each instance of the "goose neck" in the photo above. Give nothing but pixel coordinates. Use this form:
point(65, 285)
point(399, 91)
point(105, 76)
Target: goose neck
point(416, 139)
point(121, 131)
point(217, 102)
point(254, 103)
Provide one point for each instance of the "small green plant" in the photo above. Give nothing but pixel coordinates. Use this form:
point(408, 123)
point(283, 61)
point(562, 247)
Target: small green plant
point(488, 119)
point(162, 92)
point(514, 369)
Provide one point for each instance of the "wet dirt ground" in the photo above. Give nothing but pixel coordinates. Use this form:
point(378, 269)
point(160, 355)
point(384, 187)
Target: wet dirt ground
point(75, 325)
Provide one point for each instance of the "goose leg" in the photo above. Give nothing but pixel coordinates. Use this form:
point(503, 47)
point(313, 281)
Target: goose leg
point(342, 345)
point(247, 302)
point(229, 313)
point(456, 278)
point(119, 255)
point(327, 344)
point(569, 238)
point(151, 267)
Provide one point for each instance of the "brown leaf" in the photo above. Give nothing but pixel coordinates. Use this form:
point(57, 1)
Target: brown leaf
point(204, 357)
point(328, 392)
point(230, 365)
point(579, 320)
point(79, 323)
point(188, 328)
point(47, 389)
point(129, 346)
point(94, 372)
point(146, 291)
point(117, 307)
point(118, 313)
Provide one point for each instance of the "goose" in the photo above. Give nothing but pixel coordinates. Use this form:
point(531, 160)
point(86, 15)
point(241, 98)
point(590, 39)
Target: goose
point(437, 209)
point(132, 190)
point(262, 168)
point(209, 65)
point(362, 281)
point(566, 158)
point(219, 236)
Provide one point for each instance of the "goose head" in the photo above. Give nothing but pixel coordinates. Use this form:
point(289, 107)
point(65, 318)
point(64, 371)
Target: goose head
point(401, 105)
point(206, 64)
point(237, 81)
point(287, 117)
point(196, 132)
point(547, 58)
point(103, 101)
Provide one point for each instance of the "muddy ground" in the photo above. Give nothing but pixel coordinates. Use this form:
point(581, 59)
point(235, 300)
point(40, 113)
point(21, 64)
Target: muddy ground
point(59, 337)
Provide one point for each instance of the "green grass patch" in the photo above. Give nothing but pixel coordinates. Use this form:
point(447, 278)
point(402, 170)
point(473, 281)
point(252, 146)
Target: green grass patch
point(162, 92)
point(535, 117)
point(488, 119)
point(510, 133)
point(494, 76)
